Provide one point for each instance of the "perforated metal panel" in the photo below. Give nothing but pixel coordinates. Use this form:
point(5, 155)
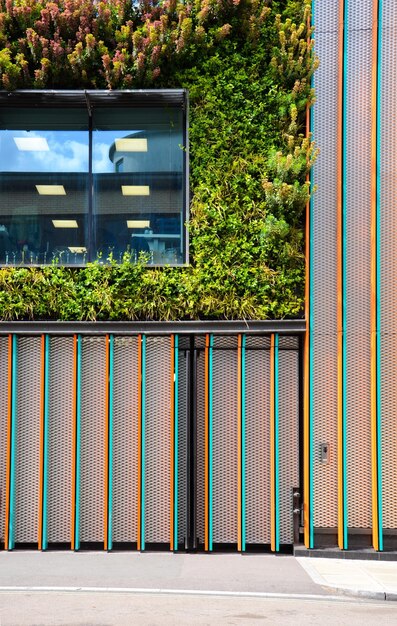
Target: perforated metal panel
point(200, 458)
point(324, 262)
point(288, 439)
point(257, 342)
point(28, 440)
point(325, 16)
point(61, 412)
point(288, 343)
point(92, 458)
point(3, 427)
point(225, 415)
point(226, 341)
point(158, 440)
point(257, 476)
point(360, 15)
point(358, 264)
point(389, 19)
point(388, 255)
point(125, 439)
point(325, 488)
point(324, 215)
point(182, 443)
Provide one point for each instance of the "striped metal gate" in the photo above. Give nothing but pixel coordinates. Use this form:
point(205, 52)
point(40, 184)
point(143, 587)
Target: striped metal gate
point(144, 441)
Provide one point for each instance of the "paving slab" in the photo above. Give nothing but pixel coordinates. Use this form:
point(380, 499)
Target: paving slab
point(366, 578)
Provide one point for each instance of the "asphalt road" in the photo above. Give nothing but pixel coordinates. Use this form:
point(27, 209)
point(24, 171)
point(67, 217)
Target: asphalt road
point(122, 609)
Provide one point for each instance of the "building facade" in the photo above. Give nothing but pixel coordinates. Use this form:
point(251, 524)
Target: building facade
point(221, 435)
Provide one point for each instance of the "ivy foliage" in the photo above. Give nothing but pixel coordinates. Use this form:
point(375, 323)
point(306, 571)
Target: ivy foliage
point(247, 65)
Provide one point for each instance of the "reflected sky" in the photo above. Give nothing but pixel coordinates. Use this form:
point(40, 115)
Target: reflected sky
point(68, 151)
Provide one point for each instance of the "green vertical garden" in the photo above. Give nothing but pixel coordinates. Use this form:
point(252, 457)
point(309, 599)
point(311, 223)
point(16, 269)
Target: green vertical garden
point(247, 65)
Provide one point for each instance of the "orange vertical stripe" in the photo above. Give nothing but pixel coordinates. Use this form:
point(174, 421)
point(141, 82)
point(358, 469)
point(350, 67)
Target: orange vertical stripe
point(374, 456)
point(106, 455)
point(74, 442)
point(340, 273)
point(41, 479)
point(8, 456)
point(239, 449)
point(272, 451)
point(206, 443)
point(139, 441)
point(172, 444)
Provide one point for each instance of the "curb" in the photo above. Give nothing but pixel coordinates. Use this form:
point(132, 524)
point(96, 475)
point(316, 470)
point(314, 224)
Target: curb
point(384, 596)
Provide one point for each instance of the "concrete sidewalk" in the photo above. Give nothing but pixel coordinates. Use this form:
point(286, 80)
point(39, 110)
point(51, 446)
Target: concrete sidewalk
point(370, 579)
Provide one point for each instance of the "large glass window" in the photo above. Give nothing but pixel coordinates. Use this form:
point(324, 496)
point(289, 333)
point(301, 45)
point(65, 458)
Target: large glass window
point(43, 186)
point(92, 181)
point(138, 164)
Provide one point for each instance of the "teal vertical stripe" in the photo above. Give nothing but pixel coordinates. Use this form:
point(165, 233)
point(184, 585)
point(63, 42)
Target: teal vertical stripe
point(243, 446)
point(311, 373)
point(44, 539)
point(276, 444)
point(14, 362)
point(143, 434)
point(176, 438)
point(344, 278)
point(378, 275)
point(210, 443)
point(78, 446)
point(110, 444)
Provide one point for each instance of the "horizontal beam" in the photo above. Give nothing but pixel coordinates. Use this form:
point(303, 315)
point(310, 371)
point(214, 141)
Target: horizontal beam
point(222, 327)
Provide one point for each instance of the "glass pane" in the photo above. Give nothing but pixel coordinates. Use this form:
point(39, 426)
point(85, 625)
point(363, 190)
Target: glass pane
point(138, 168)
point(44, 187)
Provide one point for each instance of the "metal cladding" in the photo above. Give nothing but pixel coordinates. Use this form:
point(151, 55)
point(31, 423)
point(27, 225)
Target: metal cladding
point(106, 442)
point(351, 395)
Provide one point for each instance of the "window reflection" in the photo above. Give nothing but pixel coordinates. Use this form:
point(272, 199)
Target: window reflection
point(138, 178)
point(56, 206)
point(43, 186)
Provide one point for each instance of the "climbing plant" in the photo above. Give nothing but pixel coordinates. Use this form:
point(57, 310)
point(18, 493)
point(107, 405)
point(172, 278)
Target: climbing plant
point(247, 65)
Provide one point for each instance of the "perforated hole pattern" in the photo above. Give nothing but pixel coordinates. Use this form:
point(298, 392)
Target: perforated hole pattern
point(257, 476)
point(92, 458)
point(3, 428)
point(28, 440)
point(158, 440)
point(125, 439)
point(60, 438)
point(225, 446)
point(388, 253)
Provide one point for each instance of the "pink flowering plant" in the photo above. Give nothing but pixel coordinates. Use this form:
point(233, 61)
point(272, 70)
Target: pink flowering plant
point(247, 65)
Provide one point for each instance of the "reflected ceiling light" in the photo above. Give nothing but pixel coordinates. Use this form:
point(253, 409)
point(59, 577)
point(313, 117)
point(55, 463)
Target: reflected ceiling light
point(32, 144)
point(131, 145)
point(51, 190)
point(138, 224)
point(135, 190)
point(65, 224)
point(77, 249)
